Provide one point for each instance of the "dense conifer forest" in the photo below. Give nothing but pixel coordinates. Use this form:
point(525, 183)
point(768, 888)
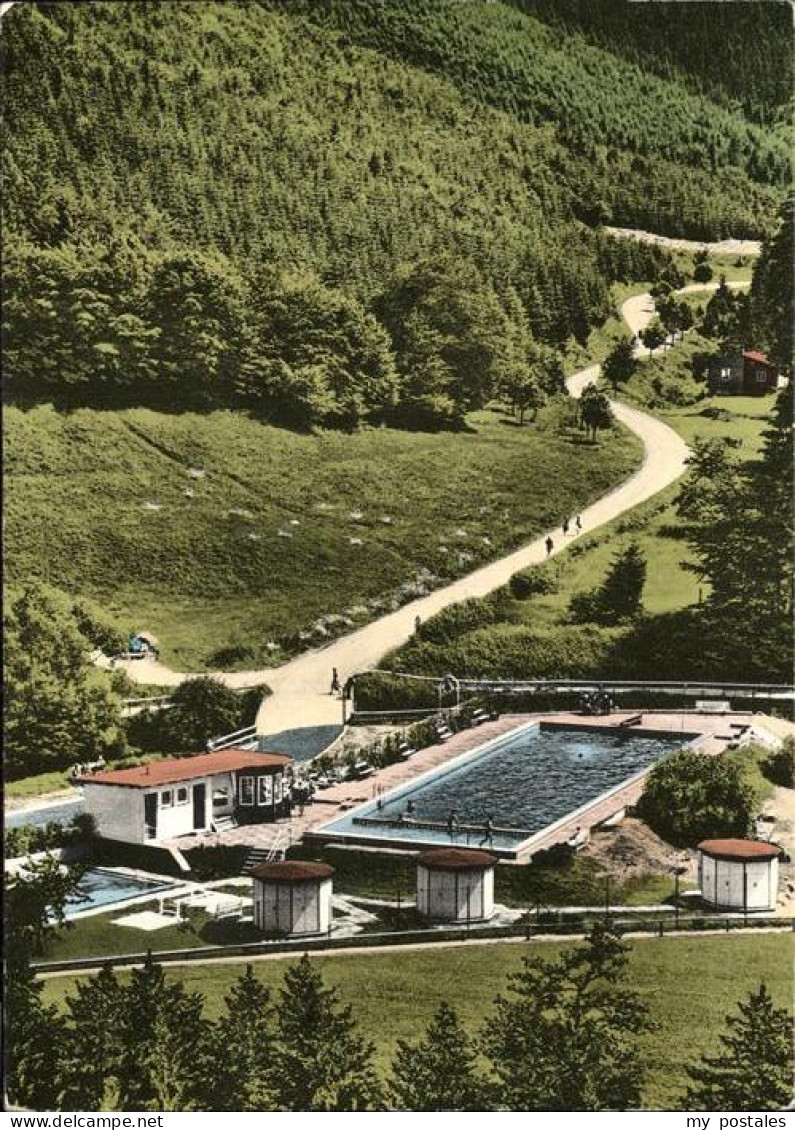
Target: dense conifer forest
point(276, 205)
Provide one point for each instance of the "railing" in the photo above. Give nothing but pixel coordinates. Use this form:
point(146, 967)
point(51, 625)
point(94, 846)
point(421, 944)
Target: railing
point(239, 739)
point(694, 687)
point(528, 926)
point(280, 845)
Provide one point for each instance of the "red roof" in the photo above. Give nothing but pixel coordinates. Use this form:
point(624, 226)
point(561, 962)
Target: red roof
point(187, 768)
point(739, 849)
point(456, 859)
point(752, 355)
point(292, 871)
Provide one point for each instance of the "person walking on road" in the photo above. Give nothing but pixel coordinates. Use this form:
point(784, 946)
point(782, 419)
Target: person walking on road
point(565, 526)
point(335, 681)
point(578, 524)
point(550, 545)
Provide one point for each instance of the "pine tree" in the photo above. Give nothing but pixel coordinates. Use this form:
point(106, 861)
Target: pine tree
point(753, 1069)
point(244, 1041)
point(621, 594)
point(92, 1045)
point(322, 1064)
point(34, 905)
point(564, 1039)
point(163, 1042)
point(438, 1073)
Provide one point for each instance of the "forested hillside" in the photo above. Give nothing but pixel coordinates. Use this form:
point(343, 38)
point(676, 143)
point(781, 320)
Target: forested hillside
point(644, 150)
point(733, 51)
point(276, 206)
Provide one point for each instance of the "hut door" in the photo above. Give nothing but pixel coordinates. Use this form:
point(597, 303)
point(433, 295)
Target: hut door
point(150, 815)
point(199, 805)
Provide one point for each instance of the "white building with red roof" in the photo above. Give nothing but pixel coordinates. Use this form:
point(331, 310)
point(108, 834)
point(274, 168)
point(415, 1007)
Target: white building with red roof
point(187, 795)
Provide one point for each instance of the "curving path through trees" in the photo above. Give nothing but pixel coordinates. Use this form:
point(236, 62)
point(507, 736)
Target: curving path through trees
point(301, 686)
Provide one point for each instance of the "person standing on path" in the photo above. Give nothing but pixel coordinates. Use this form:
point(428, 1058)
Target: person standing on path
point(550, 545)
point(335, 681)
point(578, 524)
point(565, 526)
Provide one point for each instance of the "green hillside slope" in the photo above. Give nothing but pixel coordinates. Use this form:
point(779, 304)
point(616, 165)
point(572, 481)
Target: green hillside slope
point(223, 535)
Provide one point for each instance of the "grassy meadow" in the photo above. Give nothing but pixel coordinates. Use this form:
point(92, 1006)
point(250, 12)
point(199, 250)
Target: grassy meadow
point(689, 983)
point(233, 541)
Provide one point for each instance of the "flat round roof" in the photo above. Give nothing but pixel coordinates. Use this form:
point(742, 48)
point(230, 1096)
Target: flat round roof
point(292, 871)
point(456, 859)
point(740, 850)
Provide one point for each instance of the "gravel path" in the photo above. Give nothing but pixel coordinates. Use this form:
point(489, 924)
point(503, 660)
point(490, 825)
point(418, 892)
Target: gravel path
point(722, 247)
point(301, 686)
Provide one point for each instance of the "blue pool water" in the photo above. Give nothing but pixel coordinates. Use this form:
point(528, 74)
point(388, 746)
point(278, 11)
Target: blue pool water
point(522, 784)
point(103, 887)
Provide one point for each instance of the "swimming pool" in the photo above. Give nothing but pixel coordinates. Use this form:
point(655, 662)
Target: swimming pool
point(104, 887)
point(519, 784)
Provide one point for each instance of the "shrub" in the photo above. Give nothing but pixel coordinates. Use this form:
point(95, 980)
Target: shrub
point(689, 797)
point(537, 581)
point(461, 618)
point(779, 766)
point(216, 861)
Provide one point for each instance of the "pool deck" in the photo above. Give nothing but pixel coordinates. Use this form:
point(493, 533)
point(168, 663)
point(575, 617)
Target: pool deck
point(714, 732)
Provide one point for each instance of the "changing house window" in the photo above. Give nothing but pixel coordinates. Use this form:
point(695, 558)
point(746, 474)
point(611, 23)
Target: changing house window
point(265, 790)
point(247, 790)
point(182, 796)
point(166, 799)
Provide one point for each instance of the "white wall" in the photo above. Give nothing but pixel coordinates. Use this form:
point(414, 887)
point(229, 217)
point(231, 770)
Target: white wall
point(455, 896)
point(292, 908)
point(118, 812)
point(721, 883)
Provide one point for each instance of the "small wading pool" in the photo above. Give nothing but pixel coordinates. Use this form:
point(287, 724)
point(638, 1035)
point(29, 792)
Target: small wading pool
point(104, 887)
point(521, 783)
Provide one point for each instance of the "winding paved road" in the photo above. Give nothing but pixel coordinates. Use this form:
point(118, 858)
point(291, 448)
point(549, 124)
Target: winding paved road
point(301, 687)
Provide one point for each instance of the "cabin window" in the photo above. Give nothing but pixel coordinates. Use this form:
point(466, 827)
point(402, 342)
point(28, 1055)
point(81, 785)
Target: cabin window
point(247, 791)
point(761, 376)
point(220, 798)
point(277, 789)
point(182, 795)
point(725, 374)
point(265, 790)
point(166, 799)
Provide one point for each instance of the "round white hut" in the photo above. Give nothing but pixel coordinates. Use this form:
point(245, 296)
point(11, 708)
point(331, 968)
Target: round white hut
point(738, 874)
point(292, 897)
point(456, 884)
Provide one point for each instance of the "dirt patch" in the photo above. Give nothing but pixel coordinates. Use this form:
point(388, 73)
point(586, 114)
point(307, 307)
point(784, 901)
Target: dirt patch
point(631, 849)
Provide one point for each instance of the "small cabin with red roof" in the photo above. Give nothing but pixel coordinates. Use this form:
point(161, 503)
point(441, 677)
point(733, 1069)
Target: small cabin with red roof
point(738, 874)
point(742, 374)
point(188, 795)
